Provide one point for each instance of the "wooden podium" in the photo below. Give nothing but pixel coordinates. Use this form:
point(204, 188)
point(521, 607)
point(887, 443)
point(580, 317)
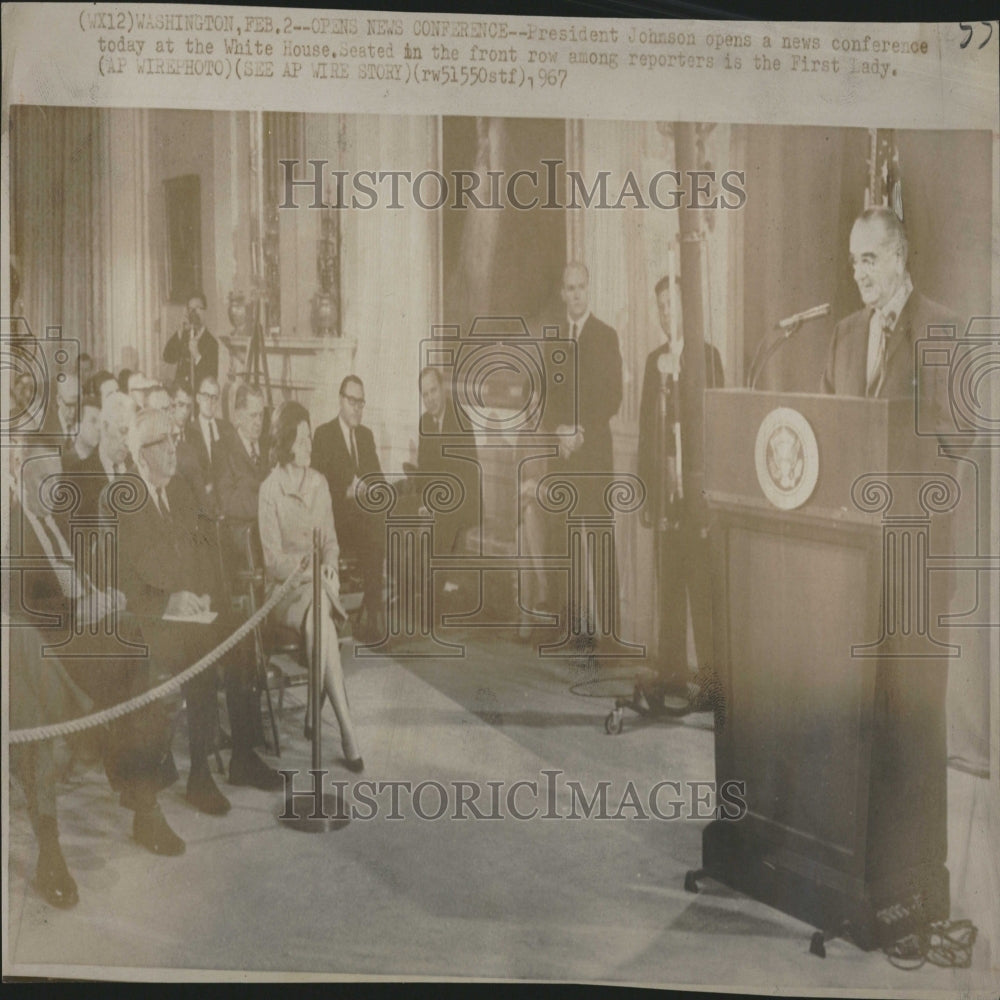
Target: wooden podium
point(833, 681)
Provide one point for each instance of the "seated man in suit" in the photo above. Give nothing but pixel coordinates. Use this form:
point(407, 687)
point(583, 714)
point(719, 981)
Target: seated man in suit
point(343, 451)
point(110, 459)
point(678, 518)
point(189, 466)
point(208, 429)
point(167, 563)
point(241, 466)
point(46, 688)
point(63, 417)
point(88, 434)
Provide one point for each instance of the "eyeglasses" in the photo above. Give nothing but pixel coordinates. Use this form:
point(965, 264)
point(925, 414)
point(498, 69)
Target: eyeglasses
point(164, 439)
point(353, 400)
point(209, 395)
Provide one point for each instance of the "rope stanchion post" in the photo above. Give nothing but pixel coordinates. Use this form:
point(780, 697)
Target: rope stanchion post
point(305, 811)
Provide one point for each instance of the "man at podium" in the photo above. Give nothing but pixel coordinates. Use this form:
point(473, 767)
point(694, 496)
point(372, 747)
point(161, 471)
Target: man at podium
point(871, 353)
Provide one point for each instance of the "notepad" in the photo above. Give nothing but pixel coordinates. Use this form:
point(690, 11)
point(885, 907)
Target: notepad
point(204, 618)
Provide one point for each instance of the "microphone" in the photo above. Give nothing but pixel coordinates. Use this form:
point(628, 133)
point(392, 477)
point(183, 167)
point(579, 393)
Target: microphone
point(788, 326)
point(790, 323)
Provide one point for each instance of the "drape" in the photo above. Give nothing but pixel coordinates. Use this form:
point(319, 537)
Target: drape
point(56, 219)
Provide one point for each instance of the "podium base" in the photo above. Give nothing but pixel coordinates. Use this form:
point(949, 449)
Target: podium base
point(872, 913)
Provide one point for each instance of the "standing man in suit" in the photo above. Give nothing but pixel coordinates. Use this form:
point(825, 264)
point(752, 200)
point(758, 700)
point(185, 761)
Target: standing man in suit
point(599, 379)
point(343, 451)
point(193, 349)
point(671, 399)
point(167, 566)
point(579, 415)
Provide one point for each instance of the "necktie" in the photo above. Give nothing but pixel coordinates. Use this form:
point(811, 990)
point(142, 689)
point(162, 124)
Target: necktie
point(209, 428)
point(572, 331)
point(254, 455)
point(354, 453)
point(879, 328)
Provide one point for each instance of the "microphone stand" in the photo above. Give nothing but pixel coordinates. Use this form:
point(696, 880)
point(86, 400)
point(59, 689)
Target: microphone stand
point(757, 369)
point(668, 520)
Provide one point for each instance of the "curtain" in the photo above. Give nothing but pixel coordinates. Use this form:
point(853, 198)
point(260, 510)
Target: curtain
point(56, 232)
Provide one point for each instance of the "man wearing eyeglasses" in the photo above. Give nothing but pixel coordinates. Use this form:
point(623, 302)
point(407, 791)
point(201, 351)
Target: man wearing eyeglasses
point(209, 429)
point(344, 451)
point(167, 563)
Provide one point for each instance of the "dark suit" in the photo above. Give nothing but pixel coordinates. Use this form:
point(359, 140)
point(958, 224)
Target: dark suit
point(91, 479)
point(598, 393)
point(161, 554)
point(846, 367)
point(178, 352)
point(193, 434)
point(190, 467)
point(431, 458)
point(684, 554)
point(846, 375)
point(360, 534)
point(238, 480)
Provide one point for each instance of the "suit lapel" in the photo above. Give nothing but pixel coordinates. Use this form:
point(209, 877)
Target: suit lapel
point(897, 359)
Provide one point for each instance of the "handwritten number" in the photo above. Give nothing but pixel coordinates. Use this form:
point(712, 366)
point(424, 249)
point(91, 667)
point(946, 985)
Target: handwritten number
point(988, 25)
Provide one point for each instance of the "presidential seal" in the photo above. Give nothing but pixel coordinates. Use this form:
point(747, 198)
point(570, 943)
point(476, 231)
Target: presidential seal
point(787, 458)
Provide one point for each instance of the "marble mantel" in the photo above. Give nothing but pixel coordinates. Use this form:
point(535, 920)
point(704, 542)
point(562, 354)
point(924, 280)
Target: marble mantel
point(306, 369)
